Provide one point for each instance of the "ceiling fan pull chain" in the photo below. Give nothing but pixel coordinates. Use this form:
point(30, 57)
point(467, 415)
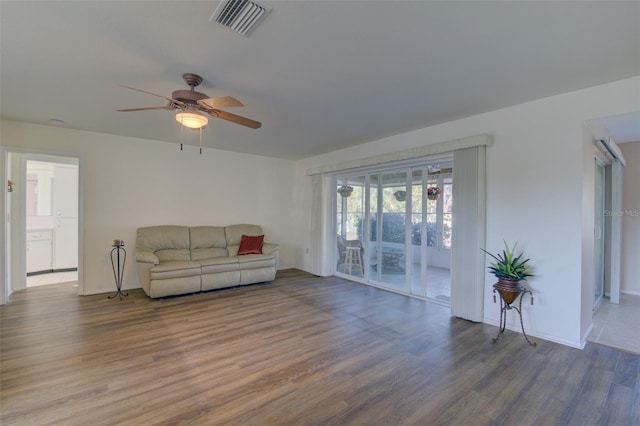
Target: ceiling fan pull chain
point(200, 140)
point(181, 135)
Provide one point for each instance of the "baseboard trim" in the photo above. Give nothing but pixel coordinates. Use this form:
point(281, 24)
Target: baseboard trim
point(93, 292)
point(51, 271)
point(541, 335)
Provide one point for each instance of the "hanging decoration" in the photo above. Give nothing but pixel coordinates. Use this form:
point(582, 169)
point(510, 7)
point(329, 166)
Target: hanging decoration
point(400, 195)
point(433, 193)
point(345, 190)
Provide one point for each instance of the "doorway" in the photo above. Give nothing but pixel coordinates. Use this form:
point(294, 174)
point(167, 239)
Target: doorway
point(391, 234)
point(43, 220)
point(51, 217)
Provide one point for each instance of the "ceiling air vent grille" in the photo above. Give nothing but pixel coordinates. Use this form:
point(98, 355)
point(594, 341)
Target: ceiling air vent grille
point(241, 16)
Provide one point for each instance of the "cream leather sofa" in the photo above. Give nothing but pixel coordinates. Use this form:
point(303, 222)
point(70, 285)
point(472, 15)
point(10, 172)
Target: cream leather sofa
point(175, 260)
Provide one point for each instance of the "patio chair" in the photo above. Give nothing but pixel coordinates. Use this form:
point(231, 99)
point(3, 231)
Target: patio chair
point(343, 243)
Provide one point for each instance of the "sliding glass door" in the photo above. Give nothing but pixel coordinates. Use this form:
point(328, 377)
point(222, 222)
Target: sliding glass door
point(403, 238)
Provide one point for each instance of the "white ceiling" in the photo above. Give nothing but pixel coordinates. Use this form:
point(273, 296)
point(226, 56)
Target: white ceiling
point(320, 75)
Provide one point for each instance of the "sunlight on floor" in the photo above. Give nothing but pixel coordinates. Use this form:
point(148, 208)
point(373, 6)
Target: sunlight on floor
point(53, 278)
point(617, 325)
point(438, 281)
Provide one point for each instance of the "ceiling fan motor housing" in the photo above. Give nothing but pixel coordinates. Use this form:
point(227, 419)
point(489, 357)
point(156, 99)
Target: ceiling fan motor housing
point(190, 96)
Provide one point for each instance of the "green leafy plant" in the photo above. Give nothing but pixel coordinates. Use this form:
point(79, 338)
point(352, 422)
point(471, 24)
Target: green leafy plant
point(508, 265)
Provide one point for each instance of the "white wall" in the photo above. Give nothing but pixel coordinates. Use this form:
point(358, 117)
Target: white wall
point(631, 219)
point(536, 186)
point(539, 181)
point(129, 183)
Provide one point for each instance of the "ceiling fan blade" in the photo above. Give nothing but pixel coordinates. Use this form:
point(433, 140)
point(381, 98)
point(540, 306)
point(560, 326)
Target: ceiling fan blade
point(146, 108)
point(223, 102)
point(234, 118)
point(175, 101)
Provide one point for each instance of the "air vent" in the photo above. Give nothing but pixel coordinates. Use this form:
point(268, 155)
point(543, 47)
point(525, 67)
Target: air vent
point(241, 16)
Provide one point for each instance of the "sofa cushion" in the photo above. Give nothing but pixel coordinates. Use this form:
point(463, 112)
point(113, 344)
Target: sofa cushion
point(207, 237)
point(172, 240)
point(175, 269)
point(250, 245)
point(174, 286)
point(169, 255)
point(219, 264)
point(220, 280)
point(208, 253)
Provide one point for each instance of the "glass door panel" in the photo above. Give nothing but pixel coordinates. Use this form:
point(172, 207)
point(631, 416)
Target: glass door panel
point(350, 253)
point(418, 229)
point(392, 226)
point(599, 240)
point(439, 217)
point(375, 256)
point(447, 211)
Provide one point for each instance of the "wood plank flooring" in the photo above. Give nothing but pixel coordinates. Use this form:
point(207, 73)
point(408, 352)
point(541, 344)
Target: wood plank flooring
point(301, 350)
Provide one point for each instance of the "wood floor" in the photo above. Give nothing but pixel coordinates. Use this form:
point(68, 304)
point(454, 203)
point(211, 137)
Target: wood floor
point(300, 350)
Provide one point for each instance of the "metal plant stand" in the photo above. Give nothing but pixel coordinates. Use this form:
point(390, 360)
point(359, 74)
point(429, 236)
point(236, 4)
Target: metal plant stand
point(118, 268)
point(504, 307)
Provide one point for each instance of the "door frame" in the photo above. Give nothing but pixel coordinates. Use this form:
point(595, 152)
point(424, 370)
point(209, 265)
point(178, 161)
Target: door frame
point(14, 231)
point(600, 279)
point(613, 222)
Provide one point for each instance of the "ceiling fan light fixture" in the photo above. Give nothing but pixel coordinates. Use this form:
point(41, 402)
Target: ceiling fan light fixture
point(192, 120)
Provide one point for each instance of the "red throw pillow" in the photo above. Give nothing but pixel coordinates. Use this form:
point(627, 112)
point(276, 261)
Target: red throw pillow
point(251, 245)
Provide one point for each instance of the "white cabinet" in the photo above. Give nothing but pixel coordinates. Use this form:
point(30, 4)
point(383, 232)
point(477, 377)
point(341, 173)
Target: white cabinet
point(65, 248)
point(65, 209)
point(39, 245)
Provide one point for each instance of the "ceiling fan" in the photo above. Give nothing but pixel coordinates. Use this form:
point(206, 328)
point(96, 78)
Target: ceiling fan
point(191, 106)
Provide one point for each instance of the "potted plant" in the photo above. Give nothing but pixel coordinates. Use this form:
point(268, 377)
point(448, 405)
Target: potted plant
point(510, 269)
point(345, 190)
point(433, 192)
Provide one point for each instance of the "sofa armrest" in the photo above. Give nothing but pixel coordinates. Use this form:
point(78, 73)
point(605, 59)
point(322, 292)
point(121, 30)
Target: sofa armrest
point(274, 249)
point(146, 256)
point(268, 248)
